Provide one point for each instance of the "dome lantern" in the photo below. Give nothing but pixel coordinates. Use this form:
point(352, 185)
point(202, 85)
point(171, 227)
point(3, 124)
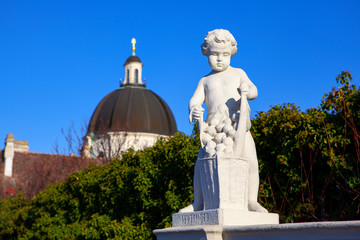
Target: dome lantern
point(133, 69)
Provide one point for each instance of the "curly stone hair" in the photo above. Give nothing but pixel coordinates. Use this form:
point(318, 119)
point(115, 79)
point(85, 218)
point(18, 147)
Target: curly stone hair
point(218, 36)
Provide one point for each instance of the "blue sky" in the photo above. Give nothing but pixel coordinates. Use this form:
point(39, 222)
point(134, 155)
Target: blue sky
point(58, 59)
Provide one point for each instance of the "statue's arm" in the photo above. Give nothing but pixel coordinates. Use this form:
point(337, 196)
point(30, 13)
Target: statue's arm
point(248, 86)
point(197, 100)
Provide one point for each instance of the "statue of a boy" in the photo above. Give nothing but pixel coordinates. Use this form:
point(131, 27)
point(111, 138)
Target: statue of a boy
point(226, 130)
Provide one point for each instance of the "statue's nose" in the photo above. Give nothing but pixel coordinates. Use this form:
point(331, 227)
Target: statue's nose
point(219, 58)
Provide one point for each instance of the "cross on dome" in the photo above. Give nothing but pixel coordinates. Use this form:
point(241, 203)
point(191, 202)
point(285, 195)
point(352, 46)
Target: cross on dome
point(133, 41)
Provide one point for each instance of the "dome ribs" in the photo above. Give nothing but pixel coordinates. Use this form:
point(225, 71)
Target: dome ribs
point(105, 118)
point(127, 123)
point(133, 109)
point(146, 118)
point(117, 119)
point(171, 124)
point(97, 122)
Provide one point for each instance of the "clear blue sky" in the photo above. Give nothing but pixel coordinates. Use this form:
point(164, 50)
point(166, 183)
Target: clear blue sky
point(58, 59)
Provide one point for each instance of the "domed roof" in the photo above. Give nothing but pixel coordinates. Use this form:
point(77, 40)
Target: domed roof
point(132, 59)
point(133, 109)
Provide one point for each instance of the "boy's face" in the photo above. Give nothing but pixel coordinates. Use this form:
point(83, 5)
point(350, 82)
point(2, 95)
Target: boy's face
point(219, 56)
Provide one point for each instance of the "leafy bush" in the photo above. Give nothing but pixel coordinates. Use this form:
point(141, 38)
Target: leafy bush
point(125, 199)
point(309, 161)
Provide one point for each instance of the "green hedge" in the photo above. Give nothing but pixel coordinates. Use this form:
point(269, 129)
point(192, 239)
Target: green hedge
point(125, 199)
point(309, 161)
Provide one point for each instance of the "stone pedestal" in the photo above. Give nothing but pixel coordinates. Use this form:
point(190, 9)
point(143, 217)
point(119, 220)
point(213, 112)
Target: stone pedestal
point(349, 230)
point(226, 217)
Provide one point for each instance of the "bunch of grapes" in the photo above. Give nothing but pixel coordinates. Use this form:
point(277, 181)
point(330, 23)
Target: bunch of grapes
point(219, 134)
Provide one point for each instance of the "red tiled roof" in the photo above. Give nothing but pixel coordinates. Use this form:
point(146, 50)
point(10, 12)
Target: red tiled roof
point(33, 172)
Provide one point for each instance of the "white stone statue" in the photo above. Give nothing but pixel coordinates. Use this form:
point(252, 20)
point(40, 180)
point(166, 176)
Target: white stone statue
point(226, 172)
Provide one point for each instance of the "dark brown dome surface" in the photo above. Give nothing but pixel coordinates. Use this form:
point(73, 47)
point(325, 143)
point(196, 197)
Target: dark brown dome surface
point(132, 59)
point(133, 109)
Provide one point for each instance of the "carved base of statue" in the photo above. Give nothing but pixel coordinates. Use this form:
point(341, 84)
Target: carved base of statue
point(224, 183)
point(224, 217)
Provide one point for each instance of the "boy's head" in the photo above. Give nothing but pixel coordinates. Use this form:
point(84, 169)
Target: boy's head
point(219, 37)
point(219, 46)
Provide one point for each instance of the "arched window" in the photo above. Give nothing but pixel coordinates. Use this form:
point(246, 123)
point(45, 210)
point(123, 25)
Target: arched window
point(136, 76)
point(127, 76)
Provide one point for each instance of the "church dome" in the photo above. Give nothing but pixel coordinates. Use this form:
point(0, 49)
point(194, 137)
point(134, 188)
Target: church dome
point(132, 109)
point(129, 117)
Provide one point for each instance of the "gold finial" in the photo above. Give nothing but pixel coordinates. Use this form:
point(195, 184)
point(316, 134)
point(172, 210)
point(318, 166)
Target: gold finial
point(133, 41)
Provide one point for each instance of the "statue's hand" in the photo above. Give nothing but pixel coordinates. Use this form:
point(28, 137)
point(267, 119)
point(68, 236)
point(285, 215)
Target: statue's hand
point(196, 112)
point(244, 89)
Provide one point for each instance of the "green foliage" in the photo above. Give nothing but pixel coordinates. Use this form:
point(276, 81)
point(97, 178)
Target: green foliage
point(125, 199)
point(309, 161)
point(11, 210)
